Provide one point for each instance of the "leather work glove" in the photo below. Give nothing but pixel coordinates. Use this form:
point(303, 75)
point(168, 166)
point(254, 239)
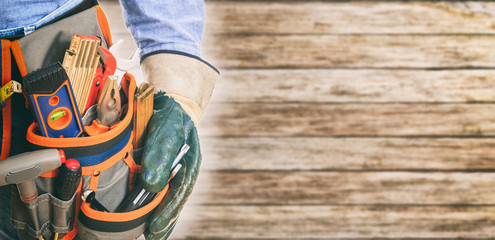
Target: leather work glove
point(185, 86)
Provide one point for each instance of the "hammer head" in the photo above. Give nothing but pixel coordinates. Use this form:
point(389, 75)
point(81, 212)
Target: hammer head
point(30, 165)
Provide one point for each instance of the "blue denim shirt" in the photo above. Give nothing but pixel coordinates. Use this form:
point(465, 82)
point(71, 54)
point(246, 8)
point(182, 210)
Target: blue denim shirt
point(157, 25)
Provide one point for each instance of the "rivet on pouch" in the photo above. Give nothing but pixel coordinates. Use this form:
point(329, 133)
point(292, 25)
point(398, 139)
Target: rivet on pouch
point(96, 173)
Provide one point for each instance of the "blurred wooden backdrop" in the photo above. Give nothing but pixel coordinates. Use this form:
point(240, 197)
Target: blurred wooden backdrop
point(346, 120)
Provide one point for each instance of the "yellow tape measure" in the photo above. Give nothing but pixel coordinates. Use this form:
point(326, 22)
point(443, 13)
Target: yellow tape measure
point(8, 89)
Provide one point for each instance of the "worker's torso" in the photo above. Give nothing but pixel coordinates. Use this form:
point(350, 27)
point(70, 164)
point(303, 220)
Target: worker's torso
point(20, 17)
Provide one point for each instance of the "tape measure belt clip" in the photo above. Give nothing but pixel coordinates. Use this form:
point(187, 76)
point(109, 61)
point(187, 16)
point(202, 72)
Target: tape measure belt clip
point(10, 88)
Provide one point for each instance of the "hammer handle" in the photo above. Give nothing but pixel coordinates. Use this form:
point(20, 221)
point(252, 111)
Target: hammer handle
point(28, 166)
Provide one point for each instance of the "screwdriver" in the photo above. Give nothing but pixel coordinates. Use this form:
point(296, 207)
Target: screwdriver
point(89, 196)
point(139, 197)
point(68, 179)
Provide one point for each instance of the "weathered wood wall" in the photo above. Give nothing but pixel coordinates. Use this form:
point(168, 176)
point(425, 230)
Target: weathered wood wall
point(346, 119)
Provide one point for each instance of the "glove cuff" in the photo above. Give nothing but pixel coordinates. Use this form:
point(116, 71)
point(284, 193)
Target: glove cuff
point(189, 106)
point(188, 80)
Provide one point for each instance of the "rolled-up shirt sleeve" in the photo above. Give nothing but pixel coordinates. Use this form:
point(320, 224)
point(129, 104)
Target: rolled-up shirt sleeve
point(165, 25)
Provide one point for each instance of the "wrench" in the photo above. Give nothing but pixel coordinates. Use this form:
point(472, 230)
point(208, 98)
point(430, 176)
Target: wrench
point(123, 65)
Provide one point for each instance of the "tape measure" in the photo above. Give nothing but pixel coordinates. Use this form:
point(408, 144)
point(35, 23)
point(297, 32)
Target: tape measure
point(8, 89)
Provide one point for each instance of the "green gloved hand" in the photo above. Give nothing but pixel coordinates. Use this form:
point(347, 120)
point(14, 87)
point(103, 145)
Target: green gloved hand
point(188, 83)
point(169, 128)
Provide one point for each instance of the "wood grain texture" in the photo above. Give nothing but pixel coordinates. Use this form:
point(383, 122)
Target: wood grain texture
point(351, 188)
point(302, 51)
point(350, 51)
point(355, 17)
point(305, 119)
point(341, 85)
point(323, 153)
point(328, 222)
point(371, 137)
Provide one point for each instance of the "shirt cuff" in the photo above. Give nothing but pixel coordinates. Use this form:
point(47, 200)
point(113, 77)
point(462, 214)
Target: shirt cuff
point(189, 49)
point(179, 53)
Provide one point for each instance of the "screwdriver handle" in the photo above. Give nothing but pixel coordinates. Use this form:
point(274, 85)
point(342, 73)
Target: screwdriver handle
point(68, 179)
point(137, 198)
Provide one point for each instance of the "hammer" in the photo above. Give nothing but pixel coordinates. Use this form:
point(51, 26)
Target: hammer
point(22, 169)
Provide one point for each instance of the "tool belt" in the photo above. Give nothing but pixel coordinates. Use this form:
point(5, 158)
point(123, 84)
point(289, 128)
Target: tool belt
point(109, 163)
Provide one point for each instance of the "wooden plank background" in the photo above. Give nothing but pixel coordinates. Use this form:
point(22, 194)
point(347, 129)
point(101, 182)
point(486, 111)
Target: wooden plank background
point(345, 120)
